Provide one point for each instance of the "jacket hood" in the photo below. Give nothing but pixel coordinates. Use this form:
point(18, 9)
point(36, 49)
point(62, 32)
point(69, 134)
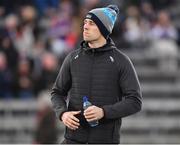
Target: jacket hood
point(107, 47)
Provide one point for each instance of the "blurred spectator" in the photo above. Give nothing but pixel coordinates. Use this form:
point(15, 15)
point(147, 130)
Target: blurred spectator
point(6, 45)
point(163, 36)
point(135, 31)
point(62, 38)
point(37, 52)
point(2, 13)
point(5, 78)
point(163, 29)
point(23, 84)
point(11, 22)
point(24, 39)
point(43, 6)
point(148, 12)
point(46, 132)
point(48, 73)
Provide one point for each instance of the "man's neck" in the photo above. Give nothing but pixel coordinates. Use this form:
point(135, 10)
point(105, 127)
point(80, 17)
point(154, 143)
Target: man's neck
point(97, 44)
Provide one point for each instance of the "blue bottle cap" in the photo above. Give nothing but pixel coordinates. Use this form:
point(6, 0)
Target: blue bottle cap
point(85, 99)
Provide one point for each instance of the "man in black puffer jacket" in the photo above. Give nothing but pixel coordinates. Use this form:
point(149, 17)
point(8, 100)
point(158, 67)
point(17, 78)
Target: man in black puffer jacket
point(103, 73)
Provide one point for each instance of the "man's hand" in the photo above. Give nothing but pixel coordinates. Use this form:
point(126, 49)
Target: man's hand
point(69, 119)
point(93, 113)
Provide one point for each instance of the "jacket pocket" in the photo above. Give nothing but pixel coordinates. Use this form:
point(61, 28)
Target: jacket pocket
point(102, 133)
point(79, 135)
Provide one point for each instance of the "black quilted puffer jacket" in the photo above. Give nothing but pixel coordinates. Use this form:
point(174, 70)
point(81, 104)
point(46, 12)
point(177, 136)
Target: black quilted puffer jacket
point(108, 78)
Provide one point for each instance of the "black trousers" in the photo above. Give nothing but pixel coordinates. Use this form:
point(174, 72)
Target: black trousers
point(67, 141)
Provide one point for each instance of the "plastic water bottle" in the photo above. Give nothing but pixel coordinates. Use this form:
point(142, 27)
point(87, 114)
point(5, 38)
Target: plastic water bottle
point(86, 104)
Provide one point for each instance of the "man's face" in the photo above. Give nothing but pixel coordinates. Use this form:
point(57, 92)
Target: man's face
point(91, 31)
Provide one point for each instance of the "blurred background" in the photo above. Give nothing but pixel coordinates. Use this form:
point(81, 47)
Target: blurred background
point(35, 37)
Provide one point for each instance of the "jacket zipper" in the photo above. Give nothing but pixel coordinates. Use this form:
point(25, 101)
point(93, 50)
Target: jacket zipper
point(91, 75)
point(90, 84)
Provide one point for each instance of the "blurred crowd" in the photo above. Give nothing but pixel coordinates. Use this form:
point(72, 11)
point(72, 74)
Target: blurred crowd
point(36, 35)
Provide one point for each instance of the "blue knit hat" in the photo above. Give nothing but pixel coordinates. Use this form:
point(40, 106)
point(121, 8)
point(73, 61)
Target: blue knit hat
point(104, 18)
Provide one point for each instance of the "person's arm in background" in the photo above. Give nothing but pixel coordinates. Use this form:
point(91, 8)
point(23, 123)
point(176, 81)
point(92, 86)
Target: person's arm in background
point(131, 91)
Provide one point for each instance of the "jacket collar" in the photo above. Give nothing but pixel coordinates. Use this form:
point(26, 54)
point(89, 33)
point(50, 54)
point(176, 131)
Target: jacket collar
point(108, 46)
